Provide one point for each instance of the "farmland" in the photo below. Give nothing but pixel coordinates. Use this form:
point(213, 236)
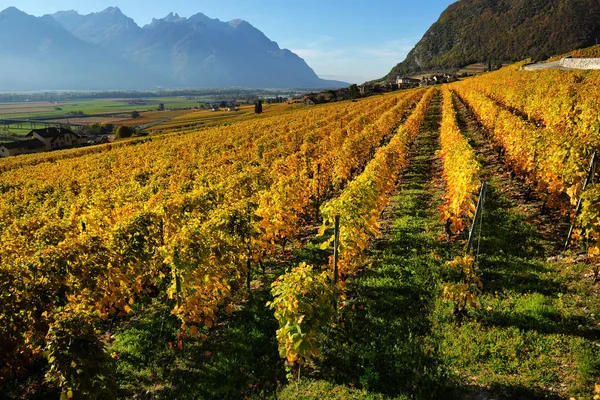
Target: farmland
point(322, 245)
point(94, 106)
point(179, 112)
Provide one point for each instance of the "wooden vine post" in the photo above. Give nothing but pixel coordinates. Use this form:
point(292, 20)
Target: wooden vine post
point(478, 214)
point(179, 302)
point(336, 255)
point(588, 179)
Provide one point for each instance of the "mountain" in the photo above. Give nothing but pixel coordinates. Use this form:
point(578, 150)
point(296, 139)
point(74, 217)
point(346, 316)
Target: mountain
point(39, 54)
point(109, 28)
point(201, 51)
point(108, 50)
point(471, 31)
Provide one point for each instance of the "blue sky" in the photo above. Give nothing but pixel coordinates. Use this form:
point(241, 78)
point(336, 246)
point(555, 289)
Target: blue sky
point(349, 40)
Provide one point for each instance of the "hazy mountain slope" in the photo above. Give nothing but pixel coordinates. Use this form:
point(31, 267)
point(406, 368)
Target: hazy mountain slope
point(38, 53)
point(109, 28)
point(197, 51)
point(200, 51)
point(471, 31)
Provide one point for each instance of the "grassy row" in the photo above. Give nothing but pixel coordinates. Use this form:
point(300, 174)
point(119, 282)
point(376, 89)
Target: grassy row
point(361, 203)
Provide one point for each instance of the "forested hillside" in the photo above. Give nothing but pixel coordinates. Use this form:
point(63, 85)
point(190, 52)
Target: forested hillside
point(472, 31)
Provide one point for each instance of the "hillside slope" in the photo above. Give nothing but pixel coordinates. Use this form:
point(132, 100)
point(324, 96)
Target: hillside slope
point(470, 31)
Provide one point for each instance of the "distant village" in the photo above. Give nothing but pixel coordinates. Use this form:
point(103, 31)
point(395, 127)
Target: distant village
point(369, 89)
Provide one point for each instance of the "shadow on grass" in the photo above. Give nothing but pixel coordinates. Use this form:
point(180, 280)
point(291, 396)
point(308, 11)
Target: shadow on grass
point(239, 358)
point(510, 392)
point(544, 320)
point(511, 252)
point(383, 341)
point(512, 263)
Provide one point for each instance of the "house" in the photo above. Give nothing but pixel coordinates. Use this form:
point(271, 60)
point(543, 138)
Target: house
point(55, 138)
point(405, 82)
point(21, 147)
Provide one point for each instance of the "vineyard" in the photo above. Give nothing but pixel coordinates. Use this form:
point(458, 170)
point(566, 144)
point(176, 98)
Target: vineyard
point(327, 244)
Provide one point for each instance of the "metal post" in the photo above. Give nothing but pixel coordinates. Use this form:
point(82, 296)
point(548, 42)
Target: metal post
point(336, 243)
point(588, 179)
point(477, 216)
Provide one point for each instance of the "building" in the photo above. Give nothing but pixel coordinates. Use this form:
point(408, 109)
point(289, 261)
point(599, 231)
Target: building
point(404, 82)
point(22, 147)
point(55, 138)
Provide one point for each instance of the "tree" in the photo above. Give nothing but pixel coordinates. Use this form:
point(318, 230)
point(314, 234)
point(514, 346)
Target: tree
point(135, 114)
point(161, 107)
point(354, 91)
point(124, 132)
point(258, 107)
point(323, 97)
point(94, 129)
point(107, 128)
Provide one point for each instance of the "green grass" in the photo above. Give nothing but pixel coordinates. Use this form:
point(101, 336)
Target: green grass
point(528, 338)
point(25, 128)
point(97, 106)
point(317, 390)
point(383, 343)
point(238, 358)
point(536, 331)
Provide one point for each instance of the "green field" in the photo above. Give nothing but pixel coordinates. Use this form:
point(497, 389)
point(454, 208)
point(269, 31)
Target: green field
point(80, 110)
point(89, 107)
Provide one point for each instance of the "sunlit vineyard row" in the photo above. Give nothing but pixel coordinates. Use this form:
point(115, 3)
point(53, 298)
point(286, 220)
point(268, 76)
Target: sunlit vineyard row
point(547, 126)
point(303, 297)
point(461, 168)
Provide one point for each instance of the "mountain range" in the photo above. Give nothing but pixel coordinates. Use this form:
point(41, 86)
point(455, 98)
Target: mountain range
point(471, 31)
point(108, 50)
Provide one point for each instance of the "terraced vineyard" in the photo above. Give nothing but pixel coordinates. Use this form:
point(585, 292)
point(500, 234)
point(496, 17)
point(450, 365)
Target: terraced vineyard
point(147, 267)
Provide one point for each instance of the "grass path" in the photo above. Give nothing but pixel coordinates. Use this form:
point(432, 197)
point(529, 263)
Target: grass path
point(536, 332)
point(384, 344)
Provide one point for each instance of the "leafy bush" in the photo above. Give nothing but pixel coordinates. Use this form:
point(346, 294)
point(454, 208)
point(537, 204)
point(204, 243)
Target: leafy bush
point(303, 305)
point(78, 362)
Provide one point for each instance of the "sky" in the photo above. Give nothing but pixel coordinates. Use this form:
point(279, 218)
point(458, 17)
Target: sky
point(348, 40)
